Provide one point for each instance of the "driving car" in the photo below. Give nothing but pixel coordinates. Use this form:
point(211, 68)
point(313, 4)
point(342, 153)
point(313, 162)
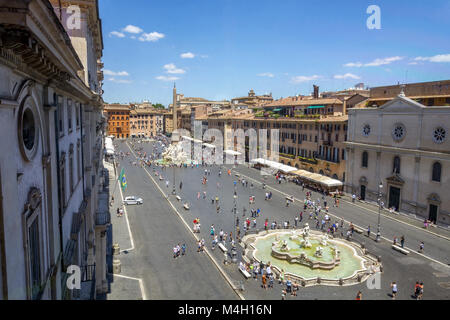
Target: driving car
point(133, 200)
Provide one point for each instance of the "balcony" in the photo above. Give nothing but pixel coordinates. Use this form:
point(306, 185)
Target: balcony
point(327, 143)
point(308, 160)
point(102, 218)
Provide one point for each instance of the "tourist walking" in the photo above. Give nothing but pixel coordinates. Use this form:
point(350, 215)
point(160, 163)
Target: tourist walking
point(359, 295)
point(394, 290)
point(421, 247)
point(264, 281)
point(402, 241)
point(419, 297)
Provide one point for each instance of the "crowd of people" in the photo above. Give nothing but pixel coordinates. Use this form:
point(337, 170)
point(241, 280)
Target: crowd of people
point(316, 209)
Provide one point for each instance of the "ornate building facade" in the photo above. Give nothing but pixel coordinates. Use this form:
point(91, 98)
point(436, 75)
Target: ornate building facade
point(404, 147)
point(50, 115)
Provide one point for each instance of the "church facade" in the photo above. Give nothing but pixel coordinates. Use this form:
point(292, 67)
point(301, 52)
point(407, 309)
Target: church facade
point(401, 151)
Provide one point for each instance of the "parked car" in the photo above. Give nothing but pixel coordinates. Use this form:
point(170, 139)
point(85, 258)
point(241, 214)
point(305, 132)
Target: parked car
point(133, 200)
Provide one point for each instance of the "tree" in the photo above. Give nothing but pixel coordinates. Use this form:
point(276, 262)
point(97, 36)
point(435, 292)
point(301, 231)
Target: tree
point(159, 106)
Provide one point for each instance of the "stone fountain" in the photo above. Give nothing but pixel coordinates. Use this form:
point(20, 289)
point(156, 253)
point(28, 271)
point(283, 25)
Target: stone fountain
point(307, 255)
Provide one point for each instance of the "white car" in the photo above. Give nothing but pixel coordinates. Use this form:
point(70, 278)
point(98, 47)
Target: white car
point(133, 200)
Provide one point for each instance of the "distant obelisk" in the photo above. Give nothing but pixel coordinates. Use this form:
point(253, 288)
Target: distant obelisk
point(174, 117)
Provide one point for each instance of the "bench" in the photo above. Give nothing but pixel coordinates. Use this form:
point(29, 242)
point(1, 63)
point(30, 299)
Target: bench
point(357, 230)
point(400, 249)
point(178, 198)
point(186, 206)
point(245, 273)
point(223, 248)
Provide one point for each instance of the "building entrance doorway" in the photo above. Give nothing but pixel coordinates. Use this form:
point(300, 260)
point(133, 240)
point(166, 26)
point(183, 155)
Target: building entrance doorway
point(433, 213)
point(394, 198)
point(363, 192)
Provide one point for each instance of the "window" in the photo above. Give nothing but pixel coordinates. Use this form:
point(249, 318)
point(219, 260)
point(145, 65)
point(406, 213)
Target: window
point(62, 179)
point(69, 114)
point(436, 175)
point(398, 133)
point(439, 135)
point(77, 113)
point(366, 130)
point(80, 162)
point(60, 115)
point(396, 168)
point(35, 268)
point(71, 168)
point(365, 159)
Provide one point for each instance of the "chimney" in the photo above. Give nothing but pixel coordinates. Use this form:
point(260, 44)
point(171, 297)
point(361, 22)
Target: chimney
point(316, 91)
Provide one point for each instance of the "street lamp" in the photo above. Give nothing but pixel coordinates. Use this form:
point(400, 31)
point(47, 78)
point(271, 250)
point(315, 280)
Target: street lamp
point(380, 186)
point(233, 249)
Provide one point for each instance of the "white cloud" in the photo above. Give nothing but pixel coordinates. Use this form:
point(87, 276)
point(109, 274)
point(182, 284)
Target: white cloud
point(266, 74)
point(375, 63)
point(152, 36)
point(299, 79)
point(167, 78)
point(413, 63)
point(187, 55)
point(347, 76)
point(204, 56)
point(119, 80)
point(353, 64)
point(171, 68)
point(113, 73)
point(437, 58)
point(380, 62)
point(117, 34)
point(132, 29)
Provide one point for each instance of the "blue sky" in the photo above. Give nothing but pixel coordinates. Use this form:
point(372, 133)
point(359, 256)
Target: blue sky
point(278, 46)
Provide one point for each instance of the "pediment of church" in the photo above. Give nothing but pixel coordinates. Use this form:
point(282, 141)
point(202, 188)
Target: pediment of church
point(402, 104)
point(395, 179)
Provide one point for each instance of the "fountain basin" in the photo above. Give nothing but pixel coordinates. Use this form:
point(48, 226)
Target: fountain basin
point(348, 264)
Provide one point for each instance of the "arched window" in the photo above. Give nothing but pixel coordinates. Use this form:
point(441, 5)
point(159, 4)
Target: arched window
point(365, 159)
point(396, 168)
point(335, 176)
point(436, 176)
point(321, 172)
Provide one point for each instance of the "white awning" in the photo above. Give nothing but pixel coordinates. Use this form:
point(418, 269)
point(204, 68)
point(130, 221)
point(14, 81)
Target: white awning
point(318, 178)
point(232, 152)
point(209, 145)
point(187, 138)
point(274, 165)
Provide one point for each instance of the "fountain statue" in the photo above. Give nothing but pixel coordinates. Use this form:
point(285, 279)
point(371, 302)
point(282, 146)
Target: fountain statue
point(319, 252)
point(175, 154)
point(305, 243)
point(306, 230)
point(324, 240)
point(284, 246)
